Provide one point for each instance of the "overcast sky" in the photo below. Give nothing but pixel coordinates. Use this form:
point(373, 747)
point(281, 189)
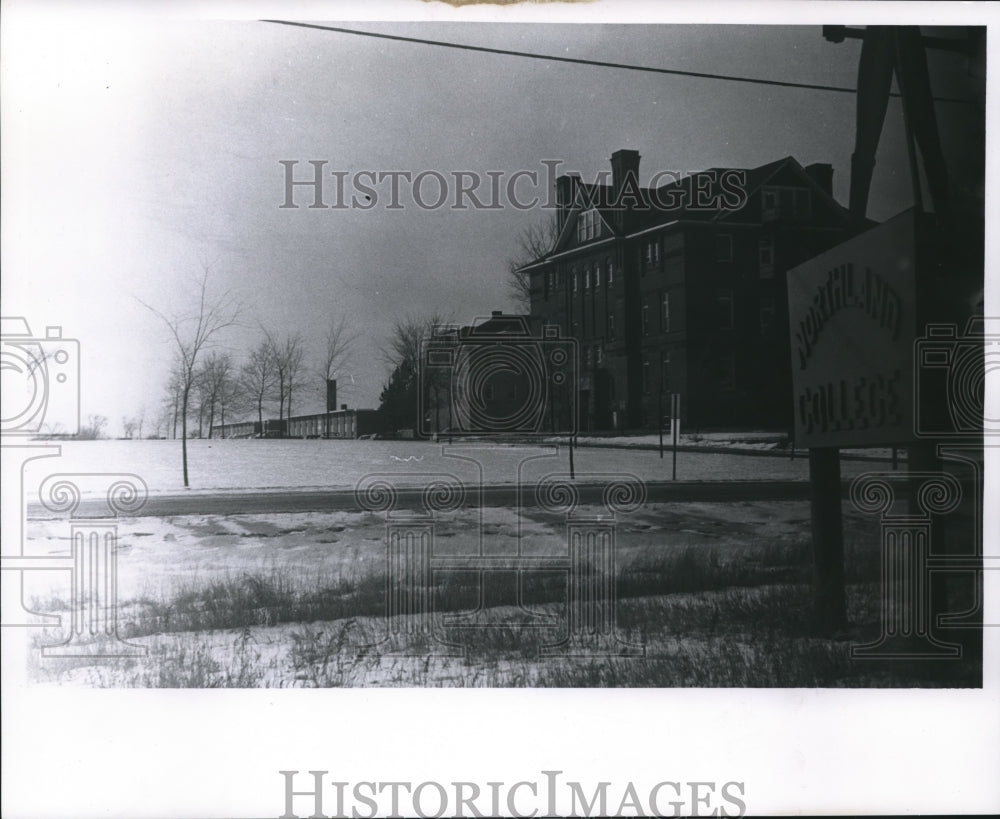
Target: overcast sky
point(136, 149)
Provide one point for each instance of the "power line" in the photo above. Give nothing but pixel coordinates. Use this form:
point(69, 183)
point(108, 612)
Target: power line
point(599, 63)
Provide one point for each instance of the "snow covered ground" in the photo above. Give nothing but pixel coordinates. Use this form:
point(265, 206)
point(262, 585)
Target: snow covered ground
point(218, 465)
point(176, 566)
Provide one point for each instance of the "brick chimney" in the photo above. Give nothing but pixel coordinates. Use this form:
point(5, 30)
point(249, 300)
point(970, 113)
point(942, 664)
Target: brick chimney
point(822, 175)
point(624, 167)
point(566, 188)
point(624, 163)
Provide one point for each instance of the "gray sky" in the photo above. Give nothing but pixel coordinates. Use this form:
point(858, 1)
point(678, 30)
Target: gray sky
point(136, 148)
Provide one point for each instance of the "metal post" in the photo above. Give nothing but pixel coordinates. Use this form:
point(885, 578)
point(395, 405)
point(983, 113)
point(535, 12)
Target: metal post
point(659, 416)
point(675, 428)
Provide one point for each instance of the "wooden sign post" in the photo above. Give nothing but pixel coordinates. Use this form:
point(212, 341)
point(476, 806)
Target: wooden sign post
point(853, 323)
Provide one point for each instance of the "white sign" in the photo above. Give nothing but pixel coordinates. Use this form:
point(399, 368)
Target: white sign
point(852, 321)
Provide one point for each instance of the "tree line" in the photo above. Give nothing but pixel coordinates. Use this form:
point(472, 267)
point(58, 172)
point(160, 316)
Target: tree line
point(207, 383)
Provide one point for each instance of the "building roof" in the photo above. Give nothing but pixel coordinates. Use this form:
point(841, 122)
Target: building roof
point(675, 201)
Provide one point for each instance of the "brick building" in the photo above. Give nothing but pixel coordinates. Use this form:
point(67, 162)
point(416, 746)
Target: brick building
point(681, 288)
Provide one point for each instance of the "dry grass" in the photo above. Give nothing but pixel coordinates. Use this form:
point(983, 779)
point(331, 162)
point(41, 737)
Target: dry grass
point(712, 605)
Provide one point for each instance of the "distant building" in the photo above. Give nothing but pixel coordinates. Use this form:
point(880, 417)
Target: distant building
point(342, 423)
point(506, 374)
point(681, 288)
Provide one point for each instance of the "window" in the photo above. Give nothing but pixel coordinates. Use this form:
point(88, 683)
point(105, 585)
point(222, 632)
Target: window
point(664, 372)
point(645, 376)
point(599, 353)
point(665, 312)
point(588, 226)
point(597, 276)
point(588, 357)
point(724, 309)
point(611, 326)
point(653, 252)
point(769, 202)
point(766, 314)
point(786, 202)
point(723, 247)
point(611, 271)
point(765, 257)
point(645, 319)
point(725, 373)
point(586, 278)
point(575, 280)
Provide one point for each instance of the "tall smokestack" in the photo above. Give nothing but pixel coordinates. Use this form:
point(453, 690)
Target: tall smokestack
point(624, 177)
point(624, 164)
point(331, 394)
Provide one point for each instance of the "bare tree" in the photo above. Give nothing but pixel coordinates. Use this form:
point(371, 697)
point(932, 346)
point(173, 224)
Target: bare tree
point(286, 356)
point(172, 401)
point(533, 243)
point(337, 348)
point(162, 421)
point(229, 393)
point(214, 377)
point(406, 337)
point(257, 378)
point(128, 426)
point(410, 384)
point(191, 334)
point(294, 356)
point(93, 429)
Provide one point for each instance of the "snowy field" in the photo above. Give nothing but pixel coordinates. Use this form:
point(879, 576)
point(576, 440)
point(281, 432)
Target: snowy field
point(274, 464)
point(296, 600)
point(717, 594)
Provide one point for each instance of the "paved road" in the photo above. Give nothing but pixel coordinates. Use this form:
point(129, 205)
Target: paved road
point(343, 500)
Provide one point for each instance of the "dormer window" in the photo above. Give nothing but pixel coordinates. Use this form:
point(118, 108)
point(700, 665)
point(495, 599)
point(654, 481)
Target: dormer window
point(588, 225)
point(784, 202)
